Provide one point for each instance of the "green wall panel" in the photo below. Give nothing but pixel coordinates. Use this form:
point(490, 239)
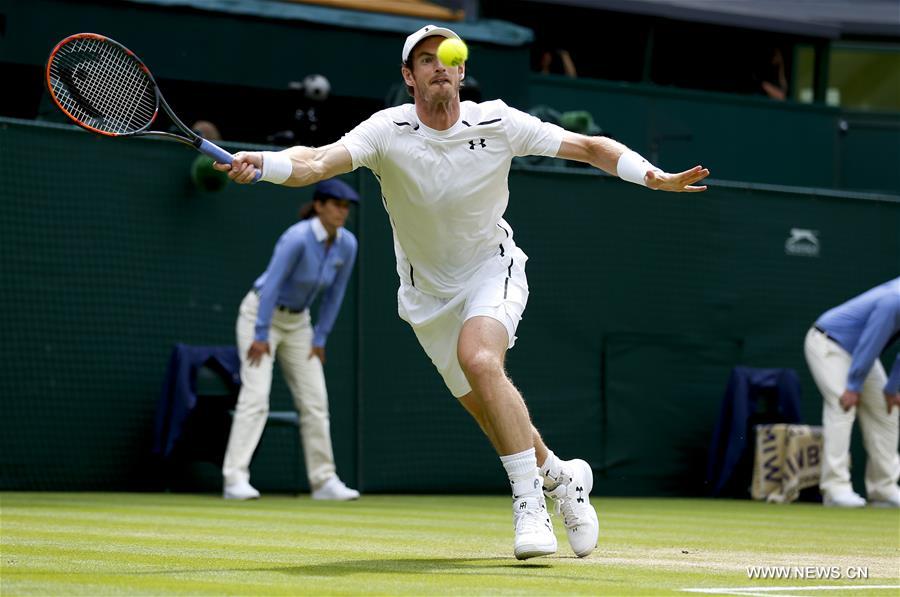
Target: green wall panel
point(661, 449)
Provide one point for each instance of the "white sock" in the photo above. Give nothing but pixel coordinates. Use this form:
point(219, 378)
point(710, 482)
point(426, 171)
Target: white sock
point(523, 473)
point(550, 470)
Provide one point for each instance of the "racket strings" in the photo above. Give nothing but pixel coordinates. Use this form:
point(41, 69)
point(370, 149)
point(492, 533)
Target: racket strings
point(102, 86)
point(124, 109)
point(87, 86)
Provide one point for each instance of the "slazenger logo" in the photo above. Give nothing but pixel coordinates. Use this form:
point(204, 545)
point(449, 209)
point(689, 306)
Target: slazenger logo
point(802, 243)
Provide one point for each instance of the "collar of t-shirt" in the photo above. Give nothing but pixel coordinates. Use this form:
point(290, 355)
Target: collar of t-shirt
point(319, 231)
point(441, 134)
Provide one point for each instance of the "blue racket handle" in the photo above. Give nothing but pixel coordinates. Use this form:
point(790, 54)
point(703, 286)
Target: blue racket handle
point(220, 155)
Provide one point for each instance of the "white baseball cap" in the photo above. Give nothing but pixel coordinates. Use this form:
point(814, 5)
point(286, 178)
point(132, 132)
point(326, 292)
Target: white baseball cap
point(426, 31)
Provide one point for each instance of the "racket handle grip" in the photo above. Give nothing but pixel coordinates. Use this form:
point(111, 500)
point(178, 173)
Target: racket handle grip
point(220, 155)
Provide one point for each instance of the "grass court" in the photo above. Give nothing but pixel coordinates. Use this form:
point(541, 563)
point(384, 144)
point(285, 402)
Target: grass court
point(179, 544)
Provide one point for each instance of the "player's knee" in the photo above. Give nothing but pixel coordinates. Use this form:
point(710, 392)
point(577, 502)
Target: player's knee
point(480, 364)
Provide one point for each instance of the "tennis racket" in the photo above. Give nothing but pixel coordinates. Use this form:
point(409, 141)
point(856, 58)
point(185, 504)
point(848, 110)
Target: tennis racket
point(103, 87)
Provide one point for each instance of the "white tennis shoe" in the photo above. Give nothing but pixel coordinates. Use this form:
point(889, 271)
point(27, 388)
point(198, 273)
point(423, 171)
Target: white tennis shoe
point(846, 498)
point(534, 532)
point(241, 490)
point(891, 501)
point(335, 490)
point(572, 501)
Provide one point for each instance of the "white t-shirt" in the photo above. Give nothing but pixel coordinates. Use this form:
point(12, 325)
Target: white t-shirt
point(446, 191)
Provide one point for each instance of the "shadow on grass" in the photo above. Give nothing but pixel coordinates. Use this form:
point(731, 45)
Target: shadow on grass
point(498, 565)
point(410, 566)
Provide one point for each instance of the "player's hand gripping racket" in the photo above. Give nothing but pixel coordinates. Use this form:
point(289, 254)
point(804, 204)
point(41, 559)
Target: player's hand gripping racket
point(105, 88)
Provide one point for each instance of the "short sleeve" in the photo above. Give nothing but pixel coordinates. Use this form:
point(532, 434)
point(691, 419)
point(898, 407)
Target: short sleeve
point(529, 135)
point(368, 141)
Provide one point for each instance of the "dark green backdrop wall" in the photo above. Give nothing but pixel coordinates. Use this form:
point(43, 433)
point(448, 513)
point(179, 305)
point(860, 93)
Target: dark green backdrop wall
point(745, 138)
point(641, 303)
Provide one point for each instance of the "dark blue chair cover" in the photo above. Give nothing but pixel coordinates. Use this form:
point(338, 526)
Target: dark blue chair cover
point(745, 387)
point(179, 393)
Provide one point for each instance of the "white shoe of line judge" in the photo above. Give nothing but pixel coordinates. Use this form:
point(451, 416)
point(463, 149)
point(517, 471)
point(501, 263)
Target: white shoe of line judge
point(334, 489)
point(846, 498)
point(241, 490)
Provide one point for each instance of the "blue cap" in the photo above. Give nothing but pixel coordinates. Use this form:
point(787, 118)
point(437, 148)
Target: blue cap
point(335, 189)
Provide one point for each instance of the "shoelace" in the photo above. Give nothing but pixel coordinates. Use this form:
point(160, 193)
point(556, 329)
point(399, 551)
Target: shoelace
point(530, 519)
point(565, 499)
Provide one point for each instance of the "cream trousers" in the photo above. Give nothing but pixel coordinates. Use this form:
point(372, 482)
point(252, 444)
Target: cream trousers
point(290, 341)
point(829, 364)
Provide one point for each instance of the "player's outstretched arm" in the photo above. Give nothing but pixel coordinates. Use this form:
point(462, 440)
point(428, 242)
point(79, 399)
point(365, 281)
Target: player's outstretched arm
point(309, 165)
point(616, 159)
point(293, 167)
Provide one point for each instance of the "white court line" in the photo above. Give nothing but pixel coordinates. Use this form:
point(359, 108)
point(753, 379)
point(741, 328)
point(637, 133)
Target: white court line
point(731, 592)
point(767, 591)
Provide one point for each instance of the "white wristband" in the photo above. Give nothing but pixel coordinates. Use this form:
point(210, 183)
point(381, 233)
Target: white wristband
point(277, 167)
point(633, 167)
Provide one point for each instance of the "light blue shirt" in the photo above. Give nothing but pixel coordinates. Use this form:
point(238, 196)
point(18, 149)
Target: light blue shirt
point(864, 326)
point(300, 268)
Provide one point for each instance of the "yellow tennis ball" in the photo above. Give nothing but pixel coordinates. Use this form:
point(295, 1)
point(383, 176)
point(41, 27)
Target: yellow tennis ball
point(452, 52)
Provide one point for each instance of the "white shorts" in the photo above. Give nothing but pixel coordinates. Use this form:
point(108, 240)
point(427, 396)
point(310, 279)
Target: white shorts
point(499, 292)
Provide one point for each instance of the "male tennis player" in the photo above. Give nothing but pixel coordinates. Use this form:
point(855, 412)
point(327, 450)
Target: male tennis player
point(443, 167)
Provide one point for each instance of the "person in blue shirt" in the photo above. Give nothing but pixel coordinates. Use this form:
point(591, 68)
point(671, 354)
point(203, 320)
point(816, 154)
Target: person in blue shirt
point(842, 350)
point(313, 257)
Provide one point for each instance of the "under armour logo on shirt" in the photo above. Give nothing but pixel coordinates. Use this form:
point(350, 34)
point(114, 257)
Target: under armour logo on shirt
point(473, 143)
